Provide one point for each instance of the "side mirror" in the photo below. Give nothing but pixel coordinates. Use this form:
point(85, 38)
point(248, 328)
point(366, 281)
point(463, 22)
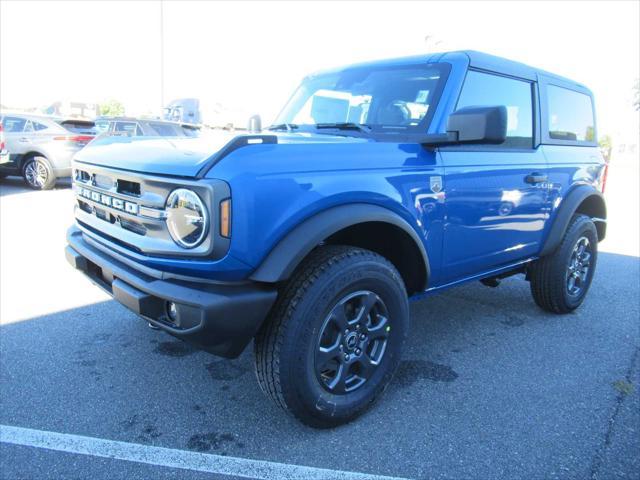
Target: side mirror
point(255, 124)
point(473, 125)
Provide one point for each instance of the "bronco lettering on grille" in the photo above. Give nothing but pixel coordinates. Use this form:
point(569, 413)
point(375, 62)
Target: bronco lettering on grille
point(109, 201)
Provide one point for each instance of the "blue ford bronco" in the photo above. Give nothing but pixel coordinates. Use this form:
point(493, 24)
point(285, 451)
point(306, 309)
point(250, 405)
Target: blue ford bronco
point(379, 183)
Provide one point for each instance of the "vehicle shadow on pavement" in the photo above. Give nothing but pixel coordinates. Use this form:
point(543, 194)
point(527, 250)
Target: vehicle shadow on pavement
point(16, 185)
point(486, 380)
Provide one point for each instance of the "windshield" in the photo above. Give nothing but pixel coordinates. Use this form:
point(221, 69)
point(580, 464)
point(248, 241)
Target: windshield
point(398, 98)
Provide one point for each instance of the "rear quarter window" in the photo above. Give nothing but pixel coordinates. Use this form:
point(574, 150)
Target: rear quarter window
point(570, 115)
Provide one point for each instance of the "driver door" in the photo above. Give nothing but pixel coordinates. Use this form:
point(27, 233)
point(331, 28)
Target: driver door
point(495, 194)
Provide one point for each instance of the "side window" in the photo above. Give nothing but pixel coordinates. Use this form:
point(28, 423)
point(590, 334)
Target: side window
point(13, 124)
point(39, 126)
point(570, 115)
point(28, 126)
point(483, 89)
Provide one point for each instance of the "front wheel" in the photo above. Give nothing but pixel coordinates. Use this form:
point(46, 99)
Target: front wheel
point(38, 174)
point(334, 338)
point(560, 281)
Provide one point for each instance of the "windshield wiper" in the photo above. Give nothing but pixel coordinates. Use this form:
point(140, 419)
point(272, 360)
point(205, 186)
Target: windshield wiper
point(362, 127)
point(283, 126)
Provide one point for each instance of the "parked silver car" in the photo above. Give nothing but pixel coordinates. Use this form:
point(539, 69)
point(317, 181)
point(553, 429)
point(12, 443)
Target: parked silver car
point(4, 153)
point(41, 147)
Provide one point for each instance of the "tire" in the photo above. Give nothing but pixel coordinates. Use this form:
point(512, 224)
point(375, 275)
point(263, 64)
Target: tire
point(37, 173)
point(306, 320)
point(552, 286)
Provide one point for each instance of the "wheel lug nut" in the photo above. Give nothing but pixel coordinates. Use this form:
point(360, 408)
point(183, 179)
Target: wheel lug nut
point(346, 357)
point(346, 332)
point(362, 336)
point(358, 351)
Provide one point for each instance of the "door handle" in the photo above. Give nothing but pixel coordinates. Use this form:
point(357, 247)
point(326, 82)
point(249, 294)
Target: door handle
point(24, 139)
point(535, 177)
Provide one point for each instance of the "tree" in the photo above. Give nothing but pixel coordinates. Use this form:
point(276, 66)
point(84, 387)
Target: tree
point(112, 108)
point(606, 145)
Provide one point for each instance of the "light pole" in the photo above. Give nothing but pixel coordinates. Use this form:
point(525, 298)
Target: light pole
point(161, 55)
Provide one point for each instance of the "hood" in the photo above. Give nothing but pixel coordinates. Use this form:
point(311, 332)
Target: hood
point(182, 157)
point(159, 155)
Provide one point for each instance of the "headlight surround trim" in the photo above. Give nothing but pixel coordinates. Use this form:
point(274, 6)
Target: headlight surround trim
point(188, 199)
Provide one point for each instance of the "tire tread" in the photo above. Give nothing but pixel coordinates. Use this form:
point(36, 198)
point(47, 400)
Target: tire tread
point(269, 341)
point(547, 273)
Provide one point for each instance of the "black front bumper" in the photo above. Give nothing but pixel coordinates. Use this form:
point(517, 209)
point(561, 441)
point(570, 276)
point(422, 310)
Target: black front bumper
point(219, 318)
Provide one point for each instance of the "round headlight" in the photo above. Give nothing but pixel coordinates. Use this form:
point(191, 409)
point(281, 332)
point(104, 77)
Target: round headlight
point(187, 218)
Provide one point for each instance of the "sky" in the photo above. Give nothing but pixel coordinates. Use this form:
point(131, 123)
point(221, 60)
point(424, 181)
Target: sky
point(251, 55)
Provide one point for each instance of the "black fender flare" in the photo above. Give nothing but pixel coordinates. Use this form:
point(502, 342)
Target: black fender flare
point(280, 263)
point(566, 209)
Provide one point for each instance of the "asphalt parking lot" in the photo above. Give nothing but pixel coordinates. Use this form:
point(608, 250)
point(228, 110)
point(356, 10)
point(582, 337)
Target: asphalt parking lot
point(490, 386)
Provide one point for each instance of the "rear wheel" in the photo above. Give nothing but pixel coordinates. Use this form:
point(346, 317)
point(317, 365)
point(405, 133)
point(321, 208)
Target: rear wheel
point(334, 338)
point(560, 281)
point(38, 174)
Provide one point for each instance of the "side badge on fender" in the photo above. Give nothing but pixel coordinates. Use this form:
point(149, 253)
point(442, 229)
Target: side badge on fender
point(436, 184)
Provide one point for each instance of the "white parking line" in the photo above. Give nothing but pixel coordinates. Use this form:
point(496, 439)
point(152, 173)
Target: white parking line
point(169, 457)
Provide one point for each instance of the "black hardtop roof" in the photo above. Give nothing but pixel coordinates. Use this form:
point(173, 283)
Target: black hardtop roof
point(478, 60)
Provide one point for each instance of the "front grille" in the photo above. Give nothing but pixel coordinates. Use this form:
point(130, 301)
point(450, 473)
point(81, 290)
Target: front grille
point(129, 207)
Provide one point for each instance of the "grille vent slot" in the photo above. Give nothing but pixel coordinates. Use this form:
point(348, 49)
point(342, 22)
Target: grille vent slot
point(133, 226)
point(128, 188)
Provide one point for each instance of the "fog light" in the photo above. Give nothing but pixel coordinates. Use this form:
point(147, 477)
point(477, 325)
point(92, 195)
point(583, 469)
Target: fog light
point(172, 312)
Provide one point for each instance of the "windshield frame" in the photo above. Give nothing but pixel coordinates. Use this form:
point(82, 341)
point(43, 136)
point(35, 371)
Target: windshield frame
point(375, 130)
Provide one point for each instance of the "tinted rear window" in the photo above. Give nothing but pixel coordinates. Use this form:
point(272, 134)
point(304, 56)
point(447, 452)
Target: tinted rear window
point(570, 115)
point(79, 126)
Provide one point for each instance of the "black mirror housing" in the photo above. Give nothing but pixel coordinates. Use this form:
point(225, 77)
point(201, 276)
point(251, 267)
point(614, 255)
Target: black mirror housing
point(473, 125)
point(486, 125)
